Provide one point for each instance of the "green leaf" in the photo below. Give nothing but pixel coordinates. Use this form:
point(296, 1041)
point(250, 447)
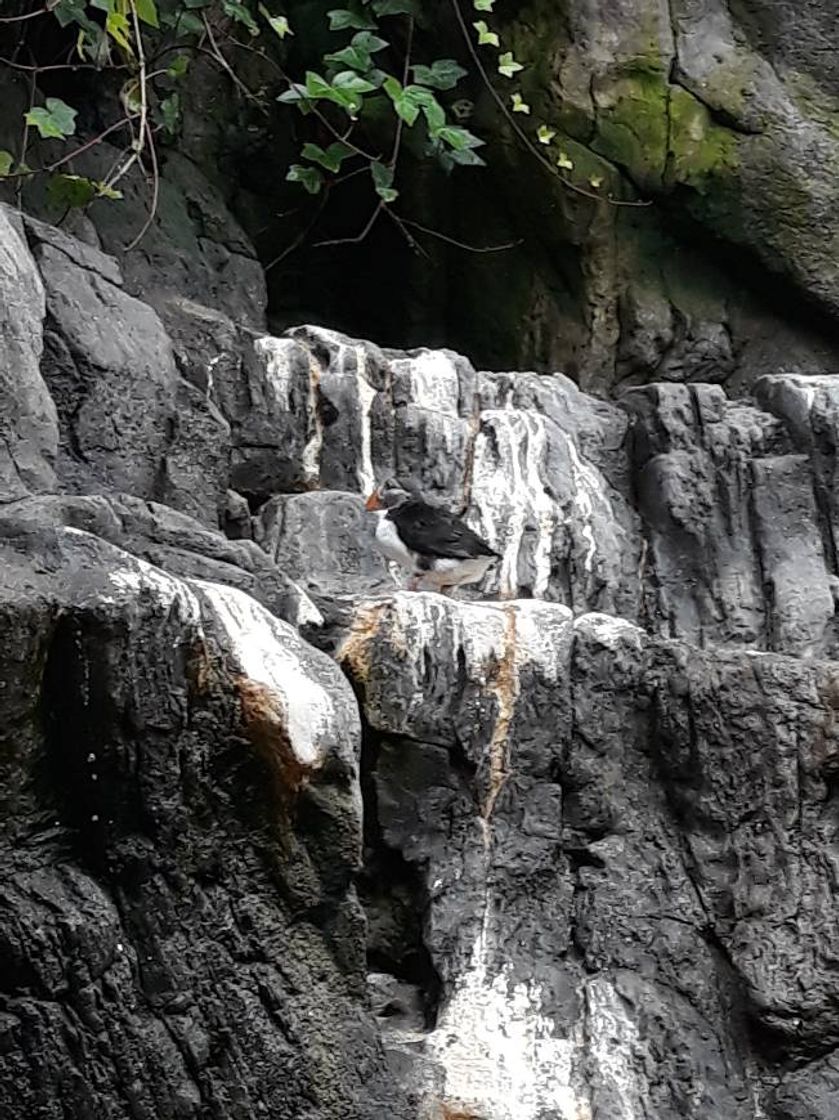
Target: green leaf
point(351, 82)
point(466, 158)
point(240, 14)
point(519, 105)
point(104, 191)
point(170, 110)
point(347, 94)
point(147, 12)
point(55, 118)
point(507, 65)
point(367, 41)
point(295, 93)
point(331, 158)
point(563, 160)
point(6, 161)
point(119, 29)
point(279, 24)
point(408, 103)
point(483, 5)
point(342, 18)
point(396, 7)
point(310, 178)
point(460, 139)
point(544, 134)
point(442, 74)
point(70, 191)
point(596, 181)
point(178, 66)
point(486, 38)
point(383, 181)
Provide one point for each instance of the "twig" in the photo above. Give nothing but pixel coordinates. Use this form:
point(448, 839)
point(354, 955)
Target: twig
point(405, 72)
point(155, 193)
point(525, 139)
point(56, 66)
point(301, 236)
point(20, 19)
point(406, 233)
point(139, 139)
point(70, 155)
point(24, 140)
point(222, 61)
point(459, 244)
point(359, 237)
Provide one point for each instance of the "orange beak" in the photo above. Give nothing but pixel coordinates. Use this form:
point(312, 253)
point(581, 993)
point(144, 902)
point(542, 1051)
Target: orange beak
point(374, 501)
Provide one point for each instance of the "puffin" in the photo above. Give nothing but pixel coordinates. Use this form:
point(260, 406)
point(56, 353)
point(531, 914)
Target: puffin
point(437, 548)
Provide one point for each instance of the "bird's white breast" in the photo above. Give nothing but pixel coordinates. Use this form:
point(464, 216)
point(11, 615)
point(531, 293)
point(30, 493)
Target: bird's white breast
point(390, 543)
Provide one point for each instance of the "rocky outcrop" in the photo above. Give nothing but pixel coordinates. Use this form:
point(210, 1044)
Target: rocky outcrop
point(560, 848)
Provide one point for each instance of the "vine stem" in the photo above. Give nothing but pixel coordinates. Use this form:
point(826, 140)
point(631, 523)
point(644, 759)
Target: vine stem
point(139, 140)
point(522, 135)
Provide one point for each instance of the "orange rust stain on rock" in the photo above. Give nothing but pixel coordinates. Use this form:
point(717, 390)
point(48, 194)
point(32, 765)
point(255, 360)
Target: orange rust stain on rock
point(354, 654)
point(264, 720)
point(503, 683)
point(457, 1112)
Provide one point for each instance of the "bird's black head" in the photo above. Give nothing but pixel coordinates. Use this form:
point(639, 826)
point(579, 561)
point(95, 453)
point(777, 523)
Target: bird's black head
point(389, 495)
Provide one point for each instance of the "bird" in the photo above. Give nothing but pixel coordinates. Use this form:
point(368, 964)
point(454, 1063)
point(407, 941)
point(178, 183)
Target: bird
point(437, 548)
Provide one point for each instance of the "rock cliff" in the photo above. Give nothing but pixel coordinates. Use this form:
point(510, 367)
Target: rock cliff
point(281, 839)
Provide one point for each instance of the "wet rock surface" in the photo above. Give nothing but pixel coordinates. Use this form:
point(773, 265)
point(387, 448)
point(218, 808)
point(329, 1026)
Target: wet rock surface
point(560, 848)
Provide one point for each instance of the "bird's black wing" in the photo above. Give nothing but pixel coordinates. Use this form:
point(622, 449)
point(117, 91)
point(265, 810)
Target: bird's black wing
point(431, 531)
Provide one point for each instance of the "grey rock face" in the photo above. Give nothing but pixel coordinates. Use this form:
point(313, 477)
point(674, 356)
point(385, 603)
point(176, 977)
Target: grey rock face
point(28, 426)
point(174, 934)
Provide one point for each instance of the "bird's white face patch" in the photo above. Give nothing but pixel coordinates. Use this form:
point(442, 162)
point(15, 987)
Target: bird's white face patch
point(390, 543)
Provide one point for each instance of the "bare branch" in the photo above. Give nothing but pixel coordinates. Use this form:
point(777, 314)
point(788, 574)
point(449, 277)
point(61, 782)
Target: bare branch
point(359, 237)
point(454, 241)
point(139, 139)
point(20, 19)
point(155, 192)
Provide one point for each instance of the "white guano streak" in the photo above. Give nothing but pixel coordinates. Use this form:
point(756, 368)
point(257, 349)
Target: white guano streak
point(508, 491)
point(276, 354)
point(366, 395)
point(261, 645)
point(499, 1049)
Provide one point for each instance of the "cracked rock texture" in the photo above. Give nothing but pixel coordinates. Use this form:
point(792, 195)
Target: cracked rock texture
point(281, 839)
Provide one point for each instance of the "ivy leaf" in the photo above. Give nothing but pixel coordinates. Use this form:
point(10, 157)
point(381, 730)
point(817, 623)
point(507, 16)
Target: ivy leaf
point(104, 191)
point(55, 118)
point(117, 26)
point(544, 134)
point(178, 67)
point(460, 139)
point(465, 158)
point(6, 161)
point(486, 38)
point(280, 24)
point(507, 65)
point(596, 181)
point(331, 158)
point(68, 192)
point(442, 74)
point(383, 181)
point(351, 82)
point(412, 100)
point(147, 12)
point(405, 108)
point(563, 160)
point(519, 105)
point(396, 7)
point(240, 14)
point(309, 178)
point(483, 5)
point(170, 111)
point(295, 93)
point(342, 18)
